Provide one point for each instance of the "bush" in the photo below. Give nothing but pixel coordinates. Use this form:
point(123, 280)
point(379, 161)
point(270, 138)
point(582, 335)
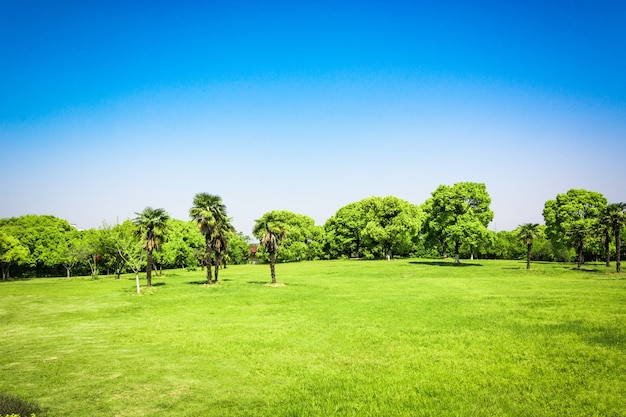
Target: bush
point(11, 406)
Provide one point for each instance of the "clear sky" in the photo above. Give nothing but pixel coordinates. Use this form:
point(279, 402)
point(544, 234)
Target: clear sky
point(107, 107)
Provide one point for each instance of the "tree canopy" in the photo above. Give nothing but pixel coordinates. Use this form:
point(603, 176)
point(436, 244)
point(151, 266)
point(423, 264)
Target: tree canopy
point(458, 214)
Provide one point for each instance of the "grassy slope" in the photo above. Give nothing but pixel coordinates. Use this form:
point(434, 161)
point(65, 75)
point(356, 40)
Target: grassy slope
point(408, 337)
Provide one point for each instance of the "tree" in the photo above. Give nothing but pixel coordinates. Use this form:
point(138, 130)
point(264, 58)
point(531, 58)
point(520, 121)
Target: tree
point(129, 247)
point(209, 213)
point(270, 230)
point(458, 214)
point(605, 229)
point(343, 231)
point(11, 251)
point(70, 252)
point(238, 248)
point(572, 217)
point(527, 233)
point(617, 215)
point(391, 226)
point(152, 224)
point(181, 243)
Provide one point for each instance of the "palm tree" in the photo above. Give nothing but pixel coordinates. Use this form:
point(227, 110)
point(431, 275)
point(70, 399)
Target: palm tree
point(270, 234)
point(527, 233)
point(209, 212)
point(605, 229)
point(578, 234)
point(152, 224)
point(220, 245)
point(617, 213)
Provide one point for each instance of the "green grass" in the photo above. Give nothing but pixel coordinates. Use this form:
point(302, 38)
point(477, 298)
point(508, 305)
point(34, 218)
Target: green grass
point(340, 338)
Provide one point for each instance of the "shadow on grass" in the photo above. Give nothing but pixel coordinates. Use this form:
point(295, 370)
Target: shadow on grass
point(442, 263)
point(259, 282)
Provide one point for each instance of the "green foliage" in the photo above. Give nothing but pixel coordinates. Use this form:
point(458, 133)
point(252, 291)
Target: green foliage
point(209, 214)
point(300, 239)
point(152, 225)
point(375, 227)
point(238, 248)
point(43, 236)
point(572, 219)
point(457, 215)
point(181, 246)
point(11, 252)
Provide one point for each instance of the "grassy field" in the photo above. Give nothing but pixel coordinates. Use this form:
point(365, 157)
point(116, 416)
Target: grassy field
point(340, 338)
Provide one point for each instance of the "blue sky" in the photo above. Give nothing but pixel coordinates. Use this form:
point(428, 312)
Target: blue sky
point(109, 107)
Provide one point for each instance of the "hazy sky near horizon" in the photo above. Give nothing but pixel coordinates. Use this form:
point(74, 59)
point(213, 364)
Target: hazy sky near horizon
point(109, 107)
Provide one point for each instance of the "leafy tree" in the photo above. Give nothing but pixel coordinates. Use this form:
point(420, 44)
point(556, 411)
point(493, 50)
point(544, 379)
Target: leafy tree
point(152, 224)
point(617, 216)
point(270, 230)
point(11, 251)
point(238, 248)
point(458, 214)
point(391, 226)
point(181, 243)
point(343, 231)
point(572, 217)
point(209, 213)
point(71, 251)
point(44, 238)
point(125, 237)
point(302, 239)
point(527, 233)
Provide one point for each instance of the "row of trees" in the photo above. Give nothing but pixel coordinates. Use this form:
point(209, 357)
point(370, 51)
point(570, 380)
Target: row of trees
point(579, 224)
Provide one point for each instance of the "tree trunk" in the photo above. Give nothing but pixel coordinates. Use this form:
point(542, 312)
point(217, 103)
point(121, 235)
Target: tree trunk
point(272, 264)
point(209, 271)
point(68, 271)
point(457, 246)
point(607, 252)
point(218, 261)
point(149, 269)
point(618, 250)
point(137, 282)
point(528, 250)
point(580, 254)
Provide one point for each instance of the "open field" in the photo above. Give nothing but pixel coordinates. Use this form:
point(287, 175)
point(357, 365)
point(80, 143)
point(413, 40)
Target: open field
point(340, 338)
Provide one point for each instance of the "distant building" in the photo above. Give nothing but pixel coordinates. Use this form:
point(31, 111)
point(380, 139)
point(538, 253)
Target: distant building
point(253, 250)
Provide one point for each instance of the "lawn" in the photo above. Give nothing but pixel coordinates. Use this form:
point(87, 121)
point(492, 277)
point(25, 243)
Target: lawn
point(339, 338)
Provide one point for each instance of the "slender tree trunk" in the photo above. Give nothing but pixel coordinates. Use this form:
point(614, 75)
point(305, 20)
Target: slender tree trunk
point(528, 250)
point(68, 271)
point(457, 246)
point(607, 252)
point(209, 272)
point(137, 282)
point(618, 250)
point(272, 264)
point(149, 269)
point(580, 254)
point(218, 261)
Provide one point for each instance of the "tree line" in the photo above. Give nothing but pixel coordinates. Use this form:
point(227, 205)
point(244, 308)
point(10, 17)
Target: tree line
point(579, 225)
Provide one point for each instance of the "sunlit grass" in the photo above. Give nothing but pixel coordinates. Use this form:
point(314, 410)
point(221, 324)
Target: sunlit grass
point(407, 337)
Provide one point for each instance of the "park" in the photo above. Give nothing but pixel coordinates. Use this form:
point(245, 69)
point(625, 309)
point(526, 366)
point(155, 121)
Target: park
point(368, 315)
point(417, 337)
